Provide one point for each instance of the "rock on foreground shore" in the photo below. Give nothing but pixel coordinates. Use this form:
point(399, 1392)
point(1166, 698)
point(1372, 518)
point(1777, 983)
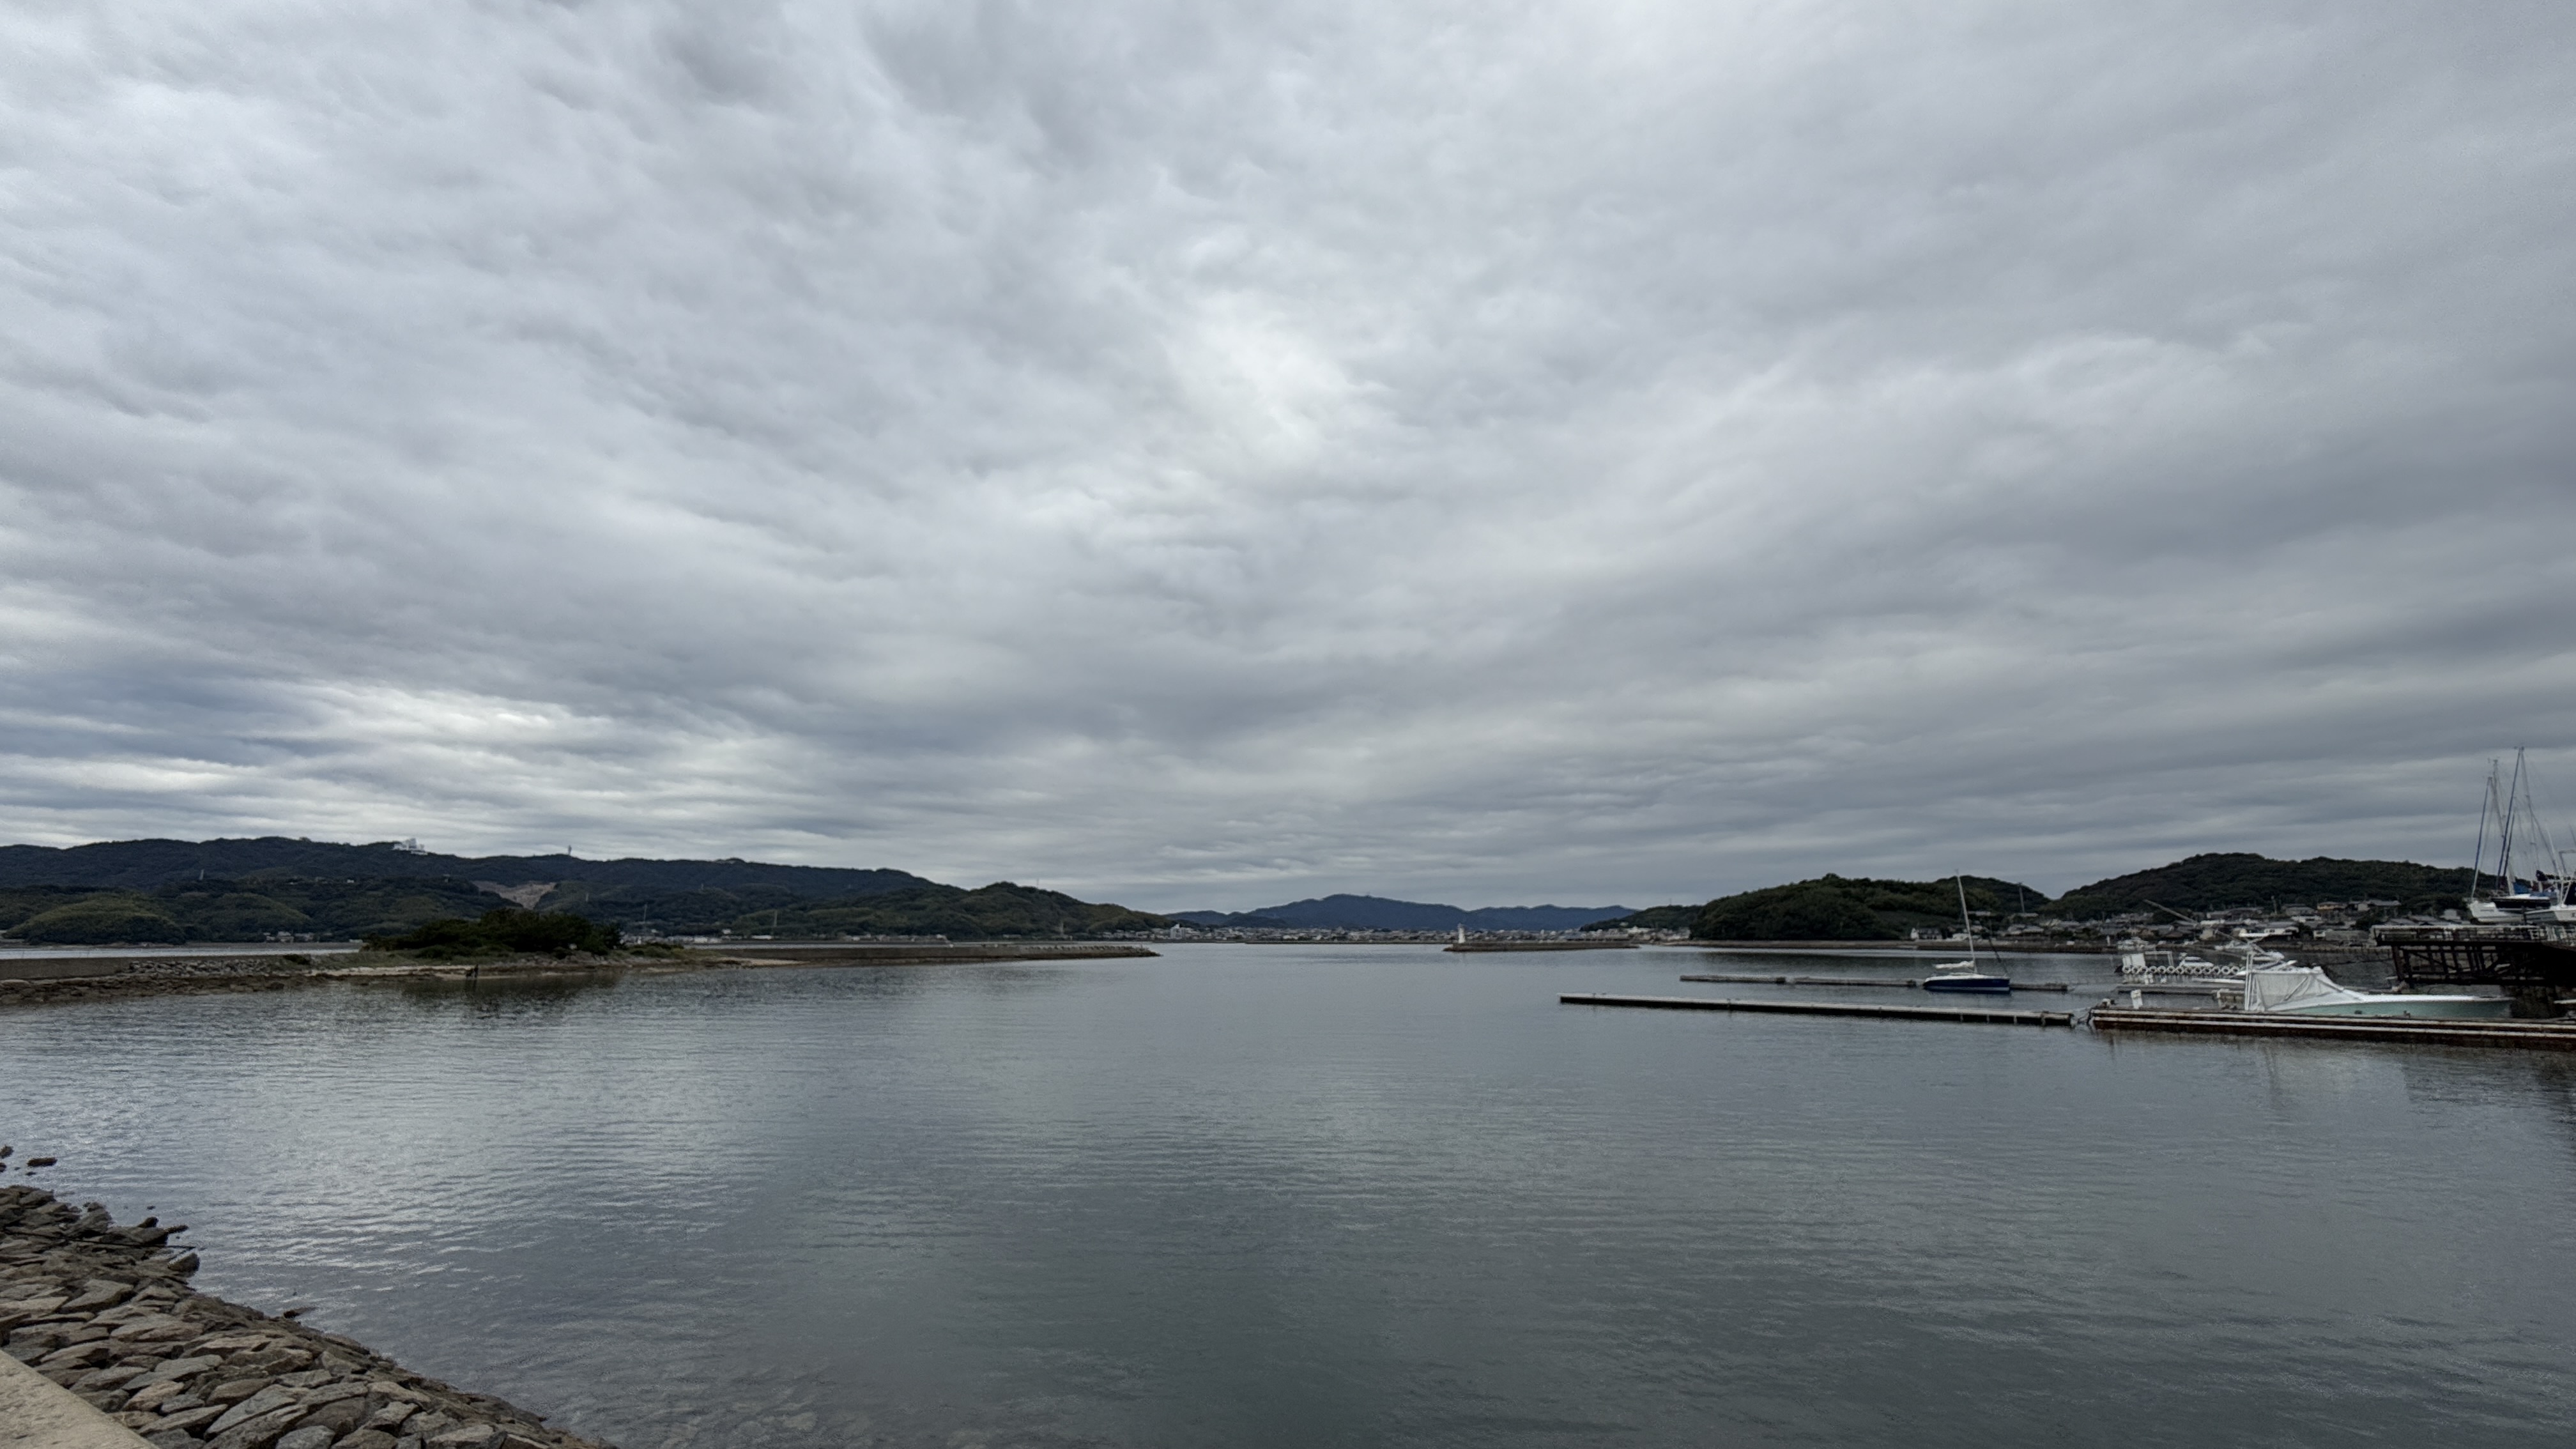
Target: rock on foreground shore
point(107, 1312)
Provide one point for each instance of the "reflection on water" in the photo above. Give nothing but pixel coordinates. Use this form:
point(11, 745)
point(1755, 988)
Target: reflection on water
point(1287, 1197)
point(504, 995)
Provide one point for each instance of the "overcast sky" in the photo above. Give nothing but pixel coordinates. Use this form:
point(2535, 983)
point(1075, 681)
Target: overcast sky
point(1202, 455)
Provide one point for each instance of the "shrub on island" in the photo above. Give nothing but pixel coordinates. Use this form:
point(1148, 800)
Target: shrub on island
point(508, 931)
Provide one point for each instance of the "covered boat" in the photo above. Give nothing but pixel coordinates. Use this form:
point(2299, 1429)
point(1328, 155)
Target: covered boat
point(2307, 991)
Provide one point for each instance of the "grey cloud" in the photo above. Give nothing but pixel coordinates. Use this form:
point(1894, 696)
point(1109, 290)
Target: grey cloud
point(1205, 456)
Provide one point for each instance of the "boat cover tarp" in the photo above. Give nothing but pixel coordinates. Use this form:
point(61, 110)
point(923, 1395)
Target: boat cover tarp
point(2288, 988)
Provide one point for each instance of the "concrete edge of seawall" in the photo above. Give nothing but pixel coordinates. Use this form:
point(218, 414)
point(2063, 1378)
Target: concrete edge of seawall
point(104, 1314)
point(37, 1413)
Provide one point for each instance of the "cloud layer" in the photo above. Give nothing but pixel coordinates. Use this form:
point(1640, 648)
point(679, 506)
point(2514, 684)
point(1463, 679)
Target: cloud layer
point(1204, 456)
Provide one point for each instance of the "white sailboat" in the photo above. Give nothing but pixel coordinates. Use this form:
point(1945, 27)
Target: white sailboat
point(1964, 975)
point(2531, 884)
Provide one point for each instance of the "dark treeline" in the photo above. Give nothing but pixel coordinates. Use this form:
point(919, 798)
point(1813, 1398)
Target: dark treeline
point(1836, 908)
point(257, 909)
point(2219, 881)
point(505, 931)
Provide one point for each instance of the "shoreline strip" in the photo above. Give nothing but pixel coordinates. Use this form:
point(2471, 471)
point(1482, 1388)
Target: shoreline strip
point(216, 971)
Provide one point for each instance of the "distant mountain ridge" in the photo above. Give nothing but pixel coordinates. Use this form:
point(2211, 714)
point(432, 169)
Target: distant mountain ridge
point(1836, 908)
point(1378, 913)
point(173, 891)
point(145, 864)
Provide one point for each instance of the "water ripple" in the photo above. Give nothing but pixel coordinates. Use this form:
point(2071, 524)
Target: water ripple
point(1280, 1197)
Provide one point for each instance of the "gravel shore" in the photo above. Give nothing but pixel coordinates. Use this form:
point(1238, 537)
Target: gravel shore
point(106, 1312)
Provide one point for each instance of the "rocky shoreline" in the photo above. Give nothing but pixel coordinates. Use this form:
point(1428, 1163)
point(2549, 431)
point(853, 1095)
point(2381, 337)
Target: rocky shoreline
point(106, 1312)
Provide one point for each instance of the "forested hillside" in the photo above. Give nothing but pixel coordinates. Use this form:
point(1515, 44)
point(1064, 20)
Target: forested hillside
point(1653, 918)
point(1833, 908)
point(150, 892)
point(2214, 882)
point(223, 910)
point(1836, 908)
point(998, 911)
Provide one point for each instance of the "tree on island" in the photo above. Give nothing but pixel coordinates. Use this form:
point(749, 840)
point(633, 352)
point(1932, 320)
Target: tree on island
point(507, 931)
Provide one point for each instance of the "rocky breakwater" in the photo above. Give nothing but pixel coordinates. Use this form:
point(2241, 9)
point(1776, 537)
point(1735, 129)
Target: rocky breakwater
point(31, 982)
point(106, 1312)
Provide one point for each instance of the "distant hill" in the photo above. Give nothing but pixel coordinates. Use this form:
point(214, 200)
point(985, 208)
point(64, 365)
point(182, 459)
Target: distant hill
point(2214, 882)
point(1377, 913)
point(1834, 908)
point(144, 864)
point(225, 910)
point(138, 891)
point(1653, 918)
point(222, 910)
point(999, 910)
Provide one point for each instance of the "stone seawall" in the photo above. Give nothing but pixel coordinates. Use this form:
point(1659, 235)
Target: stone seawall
point(106, 1312)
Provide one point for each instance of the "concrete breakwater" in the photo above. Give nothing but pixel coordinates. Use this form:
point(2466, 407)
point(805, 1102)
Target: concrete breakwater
point(106, 1312)
point(27, 982)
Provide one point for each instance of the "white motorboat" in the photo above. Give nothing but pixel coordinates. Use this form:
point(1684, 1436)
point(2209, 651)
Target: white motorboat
point(2293, 990)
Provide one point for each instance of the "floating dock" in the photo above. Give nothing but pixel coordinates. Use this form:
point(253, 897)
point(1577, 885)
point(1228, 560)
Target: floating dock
point(1828, 1008)
point(2556, 1035)
point(1742, 980)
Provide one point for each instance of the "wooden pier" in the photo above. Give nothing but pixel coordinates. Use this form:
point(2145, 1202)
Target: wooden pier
point(2533, 959)
point(1743, 980)
point(1828, 1008)
point(2555, 1035)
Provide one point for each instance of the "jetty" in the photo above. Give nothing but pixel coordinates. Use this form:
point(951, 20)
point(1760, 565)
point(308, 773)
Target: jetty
point(2558, 1034)
point(84, 976)
point(1541, 946)
point(1984, 1015)
point(1745, 980)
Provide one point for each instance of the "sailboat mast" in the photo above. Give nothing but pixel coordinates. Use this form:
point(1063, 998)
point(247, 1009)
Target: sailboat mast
point(2486, 808)
point(2504, 838)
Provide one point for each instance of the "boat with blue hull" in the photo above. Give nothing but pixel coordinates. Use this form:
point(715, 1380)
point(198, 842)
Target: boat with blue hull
point(1963, 976)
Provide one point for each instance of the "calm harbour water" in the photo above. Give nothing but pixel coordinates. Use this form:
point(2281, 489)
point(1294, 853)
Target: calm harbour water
point(1303, 1196)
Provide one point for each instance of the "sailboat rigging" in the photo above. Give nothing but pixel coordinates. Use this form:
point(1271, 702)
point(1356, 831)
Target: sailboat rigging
point(2531, 883)
point(1964, 975)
